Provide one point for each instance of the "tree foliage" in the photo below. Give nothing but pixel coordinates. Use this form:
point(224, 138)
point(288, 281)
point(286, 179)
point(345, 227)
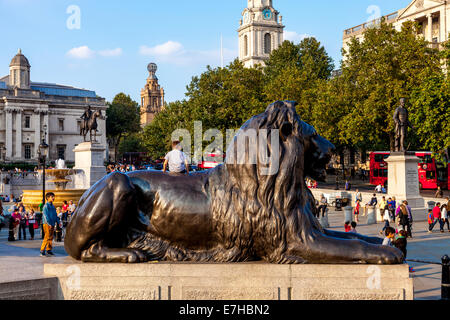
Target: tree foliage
point(431, 113)
point(354, 110)
point(122, 119)
point(221, 98)
point(385, 67)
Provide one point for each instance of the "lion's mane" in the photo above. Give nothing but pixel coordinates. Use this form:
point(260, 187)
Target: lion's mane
point(254, 214)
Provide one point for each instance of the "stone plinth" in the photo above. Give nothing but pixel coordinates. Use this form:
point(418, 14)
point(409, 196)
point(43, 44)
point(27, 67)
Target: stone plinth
point(89, 165)
point(371, 215)
point(324, 220)
point(348, 214)
point(36, 289)
point(403, 178)
point(403, 182)
point(241, 281)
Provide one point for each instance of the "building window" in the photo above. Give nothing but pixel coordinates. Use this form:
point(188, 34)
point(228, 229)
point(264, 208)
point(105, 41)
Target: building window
point(61, 152)
point(27, 152)
point(245, 45)
point(267, 43)
point(61, 124)
point(27, 122)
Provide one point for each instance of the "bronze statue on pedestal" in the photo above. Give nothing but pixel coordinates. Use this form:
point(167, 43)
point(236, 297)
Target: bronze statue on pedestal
point(401, 120)
point(89, 124)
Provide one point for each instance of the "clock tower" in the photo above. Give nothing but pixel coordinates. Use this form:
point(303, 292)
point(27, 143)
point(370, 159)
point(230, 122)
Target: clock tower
point(260, 32)
point(152, 97)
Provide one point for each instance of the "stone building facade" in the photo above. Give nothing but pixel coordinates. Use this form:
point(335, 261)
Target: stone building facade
point(29, 110)
point(152, 97)
point(260, 32)
point(433, 17)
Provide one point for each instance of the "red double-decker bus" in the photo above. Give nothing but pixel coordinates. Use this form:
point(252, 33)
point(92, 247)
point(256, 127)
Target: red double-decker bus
point(431, 173)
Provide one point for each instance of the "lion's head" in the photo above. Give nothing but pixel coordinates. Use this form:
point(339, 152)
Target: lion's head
point(254, 144)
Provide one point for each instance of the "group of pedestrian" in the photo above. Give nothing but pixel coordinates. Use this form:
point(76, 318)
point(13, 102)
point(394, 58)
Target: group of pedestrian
point(439, 214)
point(54, 222)
point(400, 215)
point(22, 221)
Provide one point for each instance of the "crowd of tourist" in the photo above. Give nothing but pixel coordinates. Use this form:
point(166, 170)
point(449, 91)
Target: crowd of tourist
point(25, 222)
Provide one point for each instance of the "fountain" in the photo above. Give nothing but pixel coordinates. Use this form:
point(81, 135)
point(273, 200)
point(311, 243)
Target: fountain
point(58, 176)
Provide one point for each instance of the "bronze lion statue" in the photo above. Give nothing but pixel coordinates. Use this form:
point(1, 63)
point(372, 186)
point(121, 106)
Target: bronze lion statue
point(231, 213)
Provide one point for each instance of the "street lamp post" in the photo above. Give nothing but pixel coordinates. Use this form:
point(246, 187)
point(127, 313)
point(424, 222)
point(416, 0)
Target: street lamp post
point(43, 152)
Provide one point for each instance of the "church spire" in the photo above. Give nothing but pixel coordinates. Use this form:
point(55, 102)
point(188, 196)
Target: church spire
point(260, 32)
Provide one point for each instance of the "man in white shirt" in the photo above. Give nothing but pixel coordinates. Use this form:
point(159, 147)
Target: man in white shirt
point(378, 188)
point(176, 160)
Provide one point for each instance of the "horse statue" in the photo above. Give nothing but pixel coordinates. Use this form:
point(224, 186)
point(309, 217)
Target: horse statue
point(89, 125)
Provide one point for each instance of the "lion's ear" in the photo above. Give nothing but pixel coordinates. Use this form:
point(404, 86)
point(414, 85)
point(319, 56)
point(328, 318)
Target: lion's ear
point(286, 130)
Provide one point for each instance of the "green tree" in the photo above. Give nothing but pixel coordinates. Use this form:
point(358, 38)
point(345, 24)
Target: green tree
point(225, 98)
point(430, 112)
point(297, 72)
point(130, 143)
point(221, 98)
point(122, 119)
point(156, 136)
point(384, 67)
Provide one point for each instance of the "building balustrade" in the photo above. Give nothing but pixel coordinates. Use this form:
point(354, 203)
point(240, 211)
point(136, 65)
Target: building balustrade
point(360, 28)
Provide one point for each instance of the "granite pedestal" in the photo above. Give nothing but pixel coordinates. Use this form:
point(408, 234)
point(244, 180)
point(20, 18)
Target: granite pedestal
point(238, 281)
point(403, 182)
point(89, 165)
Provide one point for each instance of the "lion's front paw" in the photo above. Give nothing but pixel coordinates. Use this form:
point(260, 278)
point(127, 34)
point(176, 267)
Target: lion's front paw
point(101, 254)
point(135, 256)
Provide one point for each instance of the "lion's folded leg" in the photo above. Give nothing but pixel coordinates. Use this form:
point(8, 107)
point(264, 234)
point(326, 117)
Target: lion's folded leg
point(100, 253)
point(351, 235)
point(324, 249)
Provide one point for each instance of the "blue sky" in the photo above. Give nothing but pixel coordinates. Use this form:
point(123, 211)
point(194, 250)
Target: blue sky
point(117, 39)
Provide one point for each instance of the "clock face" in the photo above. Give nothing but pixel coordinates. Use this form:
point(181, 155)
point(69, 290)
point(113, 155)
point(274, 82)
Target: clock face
point(267, 14)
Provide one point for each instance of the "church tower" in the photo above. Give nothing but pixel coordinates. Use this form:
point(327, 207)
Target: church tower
point(260, 32)
point(152, 97)
point(19, 71)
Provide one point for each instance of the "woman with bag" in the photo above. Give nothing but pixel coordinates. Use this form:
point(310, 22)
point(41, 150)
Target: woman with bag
point(23, 223)
point(32, 223)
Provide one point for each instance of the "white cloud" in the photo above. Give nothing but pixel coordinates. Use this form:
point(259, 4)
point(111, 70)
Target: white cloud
point(165, 49)
point(81, 53)
point(111, 52)
point(84, 52)
point(294, 36)
point(174, 52)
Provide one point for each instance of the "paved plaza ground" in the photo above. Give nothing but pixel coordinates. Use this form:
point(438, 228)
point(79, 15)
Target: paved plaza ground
point(20, 260)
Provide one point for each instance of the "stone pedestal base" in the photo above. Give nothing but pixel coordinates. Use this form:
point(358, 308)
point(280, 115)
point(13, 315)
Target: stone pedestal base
point(234, 281)
point(348, 214)
point(89, 164)
point(324, 220)
point(403, 182)
point(371, 216)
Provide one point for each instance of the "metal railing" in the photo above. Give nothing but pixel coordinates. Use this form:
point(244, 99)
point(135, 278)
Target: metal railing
point(445, 284)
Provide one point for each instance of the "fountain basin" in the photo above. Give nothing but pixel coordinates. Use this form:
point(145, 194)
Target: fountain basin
point(32, 198)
